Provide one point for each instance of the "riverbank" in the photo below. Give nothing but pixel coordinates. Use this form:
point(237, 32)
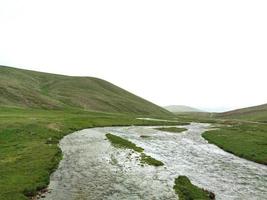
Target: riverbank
point(243, 139)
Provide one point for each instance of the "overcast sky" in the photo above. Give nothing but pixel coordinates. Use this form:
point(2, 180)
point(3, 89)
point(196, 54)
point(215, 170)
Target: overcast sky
point(206, 54)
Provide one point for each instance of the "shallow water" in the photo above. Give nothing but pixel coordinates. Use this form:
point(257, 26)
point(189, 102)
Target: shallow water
point(93, 169)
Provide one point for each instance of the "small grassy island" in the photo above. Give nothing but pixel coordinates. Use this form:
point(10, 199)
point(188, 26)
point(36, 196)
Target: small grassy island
point(187, 191)
point(149, 160)
point(172, 129)
point(123, 143)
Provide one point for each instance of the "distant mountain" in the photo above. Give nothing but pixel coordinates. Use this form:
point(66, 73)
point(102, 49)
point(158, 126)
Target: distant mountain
point(181, 108)
point(254, 113)
point(31, 89)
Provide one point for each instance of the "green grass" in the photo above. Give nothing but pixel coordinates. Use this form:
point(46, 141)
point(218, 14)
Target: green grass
point(200, 117)
point(28, 144)
point(245, 140)
point(145, 159)
point(123, 143)
point(172, 129)
point(187, 191)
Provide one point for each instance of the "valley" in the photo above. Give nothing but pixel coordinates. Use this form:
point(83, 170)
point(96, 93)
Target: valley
point(80, 135)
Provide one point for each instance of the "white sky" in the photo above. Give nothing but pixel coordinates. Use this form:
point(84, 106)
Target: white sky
point(206, 54)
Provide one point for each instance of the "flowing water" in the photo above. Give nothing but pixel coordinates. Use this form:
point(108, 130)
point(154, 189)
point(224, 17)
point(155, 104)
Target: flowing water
point(94, 169)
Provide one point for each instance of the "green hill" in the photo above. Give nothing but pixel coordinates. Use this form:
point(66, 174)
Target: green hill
point(30, 89)
point(255, 113)
point(181, 109)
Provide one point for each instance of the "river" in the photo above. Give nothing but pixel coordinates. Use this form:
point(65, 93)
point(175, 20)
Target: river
point(94, 169)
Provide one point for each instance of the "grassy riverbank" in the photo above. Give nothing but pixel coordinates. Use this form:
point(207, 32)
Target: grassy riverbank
point(187, 191)
point(28, 144)
point(246, 140)
point(241, 137)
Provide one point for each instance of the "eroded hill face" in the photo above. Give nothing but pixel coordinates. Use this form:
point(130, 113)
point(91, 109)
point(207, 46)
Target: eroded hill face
point(23, 88)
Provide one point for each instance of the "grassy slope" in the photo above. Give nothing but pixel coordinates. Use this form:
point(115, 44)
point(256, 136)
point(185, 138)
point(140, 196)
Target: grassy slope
point(187, 191)
point(23, 88)
point(255, 113)
point(28, 144)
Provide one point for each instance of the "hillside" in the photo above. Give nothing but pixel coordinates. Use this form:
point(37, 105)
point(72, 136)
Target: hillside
point(180, 108)
point(255, 113)
point(30, 89)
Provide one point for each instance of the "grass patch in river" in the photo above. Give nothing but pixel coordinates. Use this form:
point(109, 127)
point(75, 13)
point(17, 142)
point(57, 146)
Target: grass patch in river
point(172, 129)
point(123, 143)
point(187, 191)
point(120, 142)
point(145, 159)
point(144, 136)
